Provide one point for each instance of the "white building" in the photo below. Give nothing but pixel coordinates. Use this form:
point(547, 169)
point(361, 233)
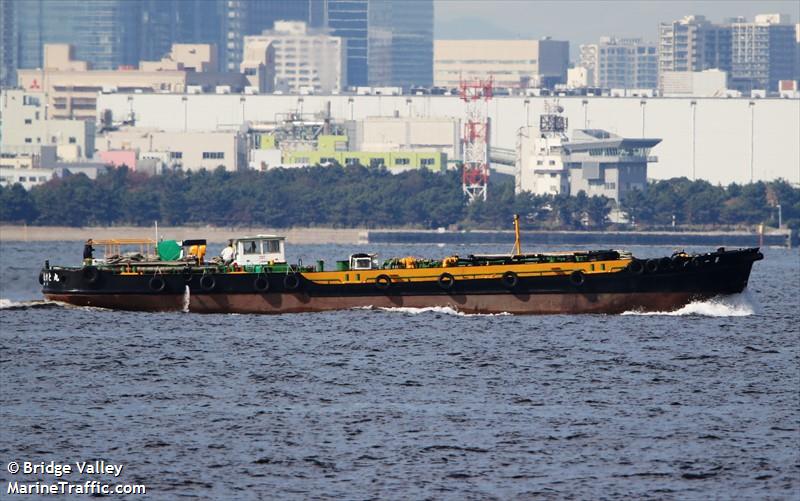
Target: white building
point(190, 150)
point(25, 127)
point(511, 63)
point(710, 138)
point(708, 83)
point(621, 63)
point(763, 52)
point(594, 161)
point(306, 60)
point(579, 78)
point(258, 65)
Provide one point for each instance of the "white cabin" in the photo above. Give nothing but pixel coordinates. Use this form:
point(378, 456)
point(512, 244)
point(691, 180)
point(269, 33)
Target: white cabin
point(260, 249)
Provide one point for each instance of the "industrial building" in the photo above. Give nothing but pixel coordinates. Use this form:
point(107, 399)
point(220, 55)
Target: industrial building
point(305, 60)
point(33, 148)
point(706, 83)
point(621, 63)
point(704, 138)
point(192, 150)
point(510, 63)
point(71, 87)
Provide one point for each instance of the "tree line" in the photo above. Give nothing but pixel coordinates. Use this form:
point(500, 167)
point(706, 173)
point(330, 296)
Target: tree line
point(356, 196)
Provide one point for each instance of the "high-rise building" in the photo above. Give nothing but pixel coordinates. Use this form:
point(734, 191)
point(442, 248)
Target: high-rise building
point(8, 45)
point(349, 19)
point(621, 63)
point(389, 42)
point(167, 22)
point(400, 43)
point(105, 33)
point(305, 60)
point(694, 44)
point(240, 18)
point(511, 63)
point(763, 52)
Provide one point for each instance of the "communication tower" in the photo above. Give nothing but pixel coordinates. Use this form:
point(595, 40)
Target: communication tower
point(475, 142)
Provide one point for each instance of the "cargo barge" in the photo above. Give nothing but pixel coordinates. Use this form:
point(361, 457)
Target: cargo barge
point(256, 278)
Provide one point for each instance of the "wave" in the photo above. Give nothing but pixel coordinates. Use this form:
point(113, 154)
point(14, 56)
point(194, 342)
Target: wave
point(737, 305)
point(8, 304)
point(446, 310)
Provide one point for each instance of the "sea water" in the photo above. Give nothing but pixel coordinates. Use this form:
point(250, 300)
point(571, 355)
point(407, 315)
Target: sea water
point(409, 403)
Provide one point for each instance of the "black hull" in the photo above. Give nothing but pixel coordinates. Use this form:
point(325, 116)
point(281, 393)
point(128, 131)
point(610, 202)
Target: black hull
point(667, 289)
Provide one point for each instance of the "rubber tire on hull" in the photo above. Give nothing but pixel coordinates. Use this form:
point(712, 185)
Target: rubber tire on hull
point(652, 266)
point(383, 282)
point(445, 281)
point(207, 283)
point(90, 274)
point(261, 284)
point(577, 278)
point(291, 282)
point(157, 284)
point(636, 267)
point(510, 279)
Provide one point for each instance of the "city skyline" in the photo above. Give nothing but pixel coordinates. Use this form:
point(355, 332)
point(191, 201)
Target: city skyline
point(582, 21)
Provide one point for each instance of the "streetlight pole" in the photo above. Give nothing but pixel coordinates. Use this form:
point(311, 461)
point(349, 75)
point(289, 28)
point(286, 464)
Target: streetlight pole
point(752, 140)
point(642, 103)
point(527, 112)
point(185, 112)
point(585, 113)
point(693, 103)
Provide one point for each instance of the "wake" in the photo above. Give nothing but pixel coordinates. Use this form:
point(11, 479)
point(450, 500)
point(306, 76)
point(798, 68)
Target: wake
point(737, 305)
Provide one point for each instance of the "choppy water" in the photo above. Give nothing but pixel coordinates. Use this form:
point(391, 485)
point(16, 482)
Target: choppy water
point(409, 404)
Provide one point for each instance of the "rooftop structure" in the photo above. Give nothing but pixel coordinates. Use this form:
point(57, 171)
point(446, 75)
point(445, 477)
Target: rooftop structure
point(511, 63)
point(70, 87)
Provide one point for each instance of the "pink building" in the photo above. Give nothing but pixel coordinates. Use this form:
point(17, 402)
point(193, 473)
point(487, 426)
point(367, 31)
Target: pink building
point(118, 158)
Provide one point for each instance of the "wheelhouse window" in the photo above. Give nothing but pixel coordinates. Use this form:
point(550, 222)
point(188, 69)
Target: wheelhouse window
point(272, 246)
point(250, 247)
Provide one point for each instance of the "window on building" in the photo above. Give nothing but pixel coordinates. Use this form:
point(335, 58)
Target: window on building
point(376, 162)
point(552, 162)
point(427, 161)
point(402, 161)
point(213, 155)
point(71, 140)
point(28, 121)
point(611, 186)
point(176, 155)
point(30, 101)
point(539, 162)
point(351, 161)
point(42, 178)
point(302, 160)
point(28, 140)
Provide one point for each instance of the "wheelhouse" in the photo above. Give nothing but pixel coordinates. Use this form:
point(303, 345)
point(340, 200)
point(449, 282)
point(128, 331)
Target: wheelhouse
point(364, 261)
point(260, 249)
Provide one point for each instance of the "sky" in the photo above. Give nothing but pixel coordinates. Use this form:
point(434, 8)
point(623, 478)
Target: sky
point(584, 21)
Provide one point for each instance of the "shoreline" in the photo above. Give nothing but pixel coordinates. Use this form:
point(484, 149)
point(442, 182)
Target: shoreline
point(13, 233)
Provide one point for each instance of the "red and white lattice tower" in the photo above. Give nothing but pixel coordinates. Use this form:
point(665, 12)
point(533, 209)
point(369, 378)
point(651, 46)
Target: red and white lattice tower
point(475, 142)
